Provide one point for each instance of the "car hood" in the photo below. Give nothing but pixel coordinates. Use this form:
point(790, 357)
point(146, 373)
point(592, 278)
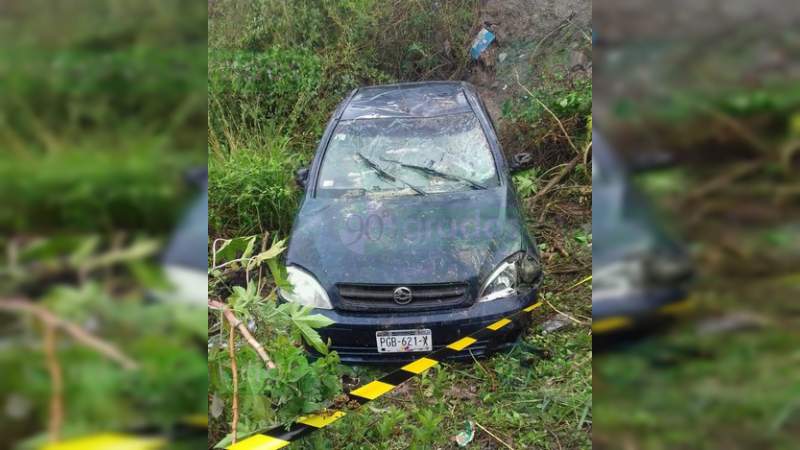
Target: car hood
point(624, 225)
point(438, 238)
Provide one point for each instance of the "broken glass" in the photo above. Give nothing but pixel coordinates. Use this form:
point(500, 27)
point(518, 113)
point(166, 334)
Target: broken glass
point(432, 154)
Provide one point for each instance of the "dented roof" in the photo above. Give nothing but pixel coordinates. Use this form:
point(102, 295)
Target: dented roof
point(426, 99)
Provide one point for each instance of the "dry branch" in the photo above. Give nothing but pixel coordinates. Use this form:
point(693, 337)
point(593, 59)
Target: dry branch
point(234, 374)
point(236, 323)
point(494, 436)
point(76, 332)
point(552, 114)
point(579, 322)
point(56, 413)
point(556, 179)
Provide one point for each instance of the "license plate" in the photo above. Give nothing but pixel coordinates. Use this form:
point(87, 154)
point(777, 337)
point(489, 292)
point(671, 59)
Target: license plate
point(401, 341)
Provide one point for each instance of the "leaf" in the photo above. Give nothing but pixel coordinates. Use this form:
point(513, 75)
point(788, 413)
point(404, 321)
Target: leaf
point(87, 246)
point(255, 376)
point(140, 249)
point(148, 275)
point(276, 249)
point(315, 320)
point(235, 248)
point(279, 274)
point(312, 337)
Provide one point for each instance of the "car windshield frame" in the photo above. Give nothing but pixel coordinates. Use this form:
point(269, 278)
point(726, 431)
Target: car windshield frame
point(403, 174)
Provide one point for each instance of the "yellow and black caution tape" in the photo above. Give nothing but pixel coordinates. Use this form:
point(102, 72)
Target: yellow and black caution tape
point(109, 441)
point(280, 436)
point(614, 324)
point(131, 441)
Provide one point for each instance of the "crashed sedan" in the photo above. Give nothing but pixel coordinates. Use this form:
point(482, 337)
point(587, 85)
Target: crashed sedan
point(409, 235)
point(641, 273)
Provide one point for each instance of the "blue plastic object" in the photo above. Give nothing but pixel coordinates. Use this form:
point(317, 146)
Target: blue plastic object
point(481, 43)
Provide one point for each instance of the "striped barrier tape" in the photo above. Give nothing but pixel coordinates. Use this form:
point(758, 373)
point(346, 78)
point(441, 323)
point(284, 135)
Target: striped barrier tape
point(614, 324)
point(128, 441)
point(280, 436)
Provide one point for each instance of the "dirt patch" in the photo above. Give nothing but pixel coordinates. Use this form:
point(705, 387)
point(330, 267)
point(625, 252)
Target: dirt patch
point(541, 40)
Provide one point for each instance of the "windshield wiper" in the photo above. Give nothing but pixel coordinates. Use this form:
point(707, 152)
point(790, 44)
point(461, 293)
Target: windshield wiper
point(434, 172)
point(386, 175)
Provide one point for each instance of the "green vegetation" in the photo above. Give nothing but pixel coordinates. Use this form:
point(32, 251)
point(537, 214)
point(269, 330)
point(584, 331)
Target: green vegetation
point(724, 377)
point(101, 111)
point(104, 111)
point(295, 386)
point(155, 380)
point(277, 70)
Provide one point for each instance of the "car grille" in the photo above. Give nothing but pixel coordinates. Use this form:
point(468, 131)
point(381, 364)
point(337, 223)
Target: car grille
point(380, 297)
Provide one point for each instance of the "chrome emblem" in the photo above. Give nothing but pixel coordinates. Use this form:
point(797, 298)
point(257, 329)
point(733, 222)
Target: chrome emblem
point(402, 295)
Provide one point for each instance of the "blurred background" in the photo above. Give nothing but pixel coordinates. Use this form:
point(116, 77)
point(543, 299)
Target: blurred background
point(700, 101)
point(102, 118)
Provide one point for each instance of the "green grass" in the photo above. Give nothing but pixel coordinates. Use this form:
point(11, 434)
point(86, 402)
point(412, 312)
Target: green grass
point(732, 390)
point(102, 108)
point(526, 401)
point(276, 72)
point(133, 187)
point(687, 387)
point(252, 190)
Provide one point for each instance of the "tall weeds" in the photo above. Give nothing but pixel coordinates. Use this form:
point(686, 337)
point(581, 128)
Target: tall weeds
point(277, 70)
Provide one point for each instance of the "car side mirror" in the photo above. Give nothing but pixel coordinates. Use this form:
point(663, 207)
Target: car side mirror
point(301, 177)
point(520, 162)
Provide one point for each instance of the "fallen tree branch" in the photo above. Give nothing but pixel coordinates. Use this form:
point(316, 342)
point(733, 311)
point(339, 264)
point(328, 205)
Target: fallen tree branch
point(494, 436)
point(579, 322)
point(56, 412)
point(234, 374)
point(556, 179)
point(76, 332)
point(552, 114)
point(726, 178)
point(235, 322)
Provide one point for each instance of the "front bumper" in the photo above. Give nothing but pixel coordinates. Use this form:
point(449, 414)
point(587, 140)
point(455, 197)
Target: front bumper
point(352, 336)
point(612, 314)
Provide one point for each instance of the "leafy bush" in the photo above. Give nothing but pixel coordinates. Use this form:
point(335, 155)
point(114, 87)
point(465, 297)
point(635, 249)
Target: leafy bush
point(266, 396)
point(251, 191)
point(99, 394)
point(135, 65)
point(92, 190)
point(278, 69)
point(248, 88)
point(529, 124)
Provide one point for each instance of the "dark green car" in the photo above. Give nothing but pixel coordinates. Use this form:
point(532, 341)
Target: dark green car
point(640, 271)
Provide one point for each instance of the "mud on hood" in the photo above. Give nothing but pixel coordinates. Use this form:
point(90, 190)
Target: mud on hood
point(448, 237)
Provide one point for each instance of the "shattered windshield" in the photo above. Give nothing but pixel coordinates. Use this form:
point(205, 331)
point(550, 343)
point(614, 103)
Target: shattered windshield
point(417, 156)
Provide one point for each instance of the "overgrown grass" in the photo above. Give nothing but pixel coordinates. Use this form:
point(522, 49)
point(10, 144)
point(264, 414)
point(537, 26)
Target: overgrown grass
point(99, 114)
point(91, 189)
point(101, 109)
point(251, 189)
point(277, 70)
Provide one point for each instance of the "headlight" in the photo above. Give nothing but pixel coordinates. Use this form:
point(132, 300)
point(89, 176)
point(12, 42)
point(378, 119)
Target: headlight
point(508, 277)
point(665, 268)
point(619, 277)
point(306, 290)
